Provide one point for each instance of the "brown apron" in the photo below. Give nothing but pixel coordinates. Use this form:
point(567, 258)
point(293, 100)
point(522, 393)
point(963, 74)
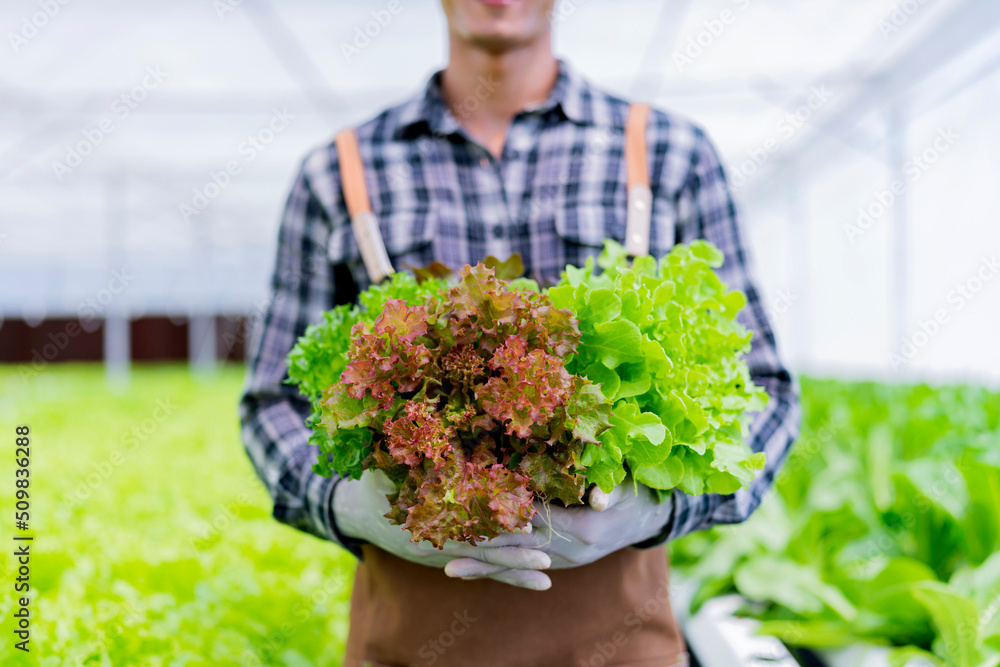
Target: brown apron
point(615, 611)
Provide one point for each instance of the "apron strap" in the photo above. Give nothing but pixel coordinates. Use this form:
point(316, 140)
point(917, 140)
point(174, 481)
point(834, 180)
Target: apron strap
point(640, 197)
point(366, 231)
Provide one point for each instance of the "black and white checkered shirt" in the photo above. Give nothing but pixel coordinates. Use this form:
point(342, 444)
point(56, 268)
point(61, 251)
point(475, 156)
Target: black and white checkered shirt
point(553, 196)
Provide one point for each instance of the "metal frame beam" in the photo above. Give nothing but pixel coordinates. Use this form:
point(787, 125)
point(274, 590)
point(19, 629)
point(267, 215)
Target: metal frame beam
point(969, 22)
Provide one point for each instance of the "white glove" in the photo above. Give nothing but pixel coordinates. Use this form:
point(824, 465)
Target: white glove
point(359, 507)
point(578, 535)
point(574, 536)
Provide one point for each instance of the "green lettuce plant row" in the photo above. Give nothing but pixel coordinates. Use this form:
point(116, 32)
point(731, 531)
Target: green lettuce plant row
point(480, 393)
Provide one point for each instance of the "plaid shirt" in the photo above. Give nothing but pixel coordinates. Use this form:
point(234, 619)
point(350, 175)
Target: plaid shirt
point(556, 192)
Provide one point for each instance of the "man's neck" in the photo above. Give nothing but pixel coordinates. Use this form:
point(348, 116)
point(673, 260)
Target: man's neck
point(486, 90)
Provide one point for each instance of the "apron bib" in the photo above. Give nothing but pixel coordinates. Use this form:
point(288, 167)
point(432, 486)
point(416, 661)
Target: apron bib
point(615, 611)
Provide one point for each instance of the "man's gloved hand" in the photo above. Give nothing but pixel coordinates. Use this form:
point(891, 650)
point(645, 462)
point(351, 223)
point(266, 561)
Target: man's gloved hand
point(578, 535)
point(574, 536)
point(359, 507)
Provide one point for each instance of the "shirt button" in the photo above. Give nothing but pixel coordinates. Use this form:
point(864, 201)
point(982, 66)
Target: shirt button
point(484, 162)
point(498, 231)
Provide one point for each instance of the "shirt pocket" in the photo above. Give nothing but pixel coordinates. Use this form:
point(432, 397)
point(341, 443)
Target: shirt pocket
point(408, 236)
point(571, 233)
point(584, 227)
point(588, 224)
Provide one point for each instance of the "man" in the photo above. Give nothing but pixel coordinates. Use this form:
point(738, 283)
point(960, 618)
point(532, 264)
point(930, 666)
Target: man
point(507, 150)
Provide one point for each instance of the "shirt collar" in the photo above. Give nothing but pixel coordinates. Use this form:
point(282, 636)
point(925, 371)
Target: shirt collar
point(572, 96)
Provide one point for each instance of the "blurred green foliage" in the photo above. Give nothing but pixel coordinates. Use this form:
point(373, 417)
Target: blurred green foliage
point(885, 527)
point(155, 544)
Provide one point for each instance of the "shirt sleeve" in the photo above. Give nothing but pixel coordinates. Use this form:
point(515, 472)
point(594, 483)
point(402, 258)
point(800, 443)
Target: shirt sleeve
point(272, 414)
point(714, 218)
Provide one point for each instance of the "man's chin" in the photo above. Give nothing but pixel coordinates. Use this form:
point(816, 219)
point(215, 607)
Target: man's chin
point(497, 41)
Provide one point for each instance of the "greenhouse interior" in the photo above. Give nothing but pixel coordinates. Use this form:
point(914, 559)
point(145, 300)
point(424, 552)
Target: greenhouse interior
point(147, 154)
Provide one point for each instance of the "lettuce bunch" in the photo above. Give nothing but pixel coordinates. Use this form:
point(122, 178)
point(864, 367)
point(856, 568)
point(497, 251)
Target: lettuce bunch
point(478, 394)
point(462, 398)
point(662, 341)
